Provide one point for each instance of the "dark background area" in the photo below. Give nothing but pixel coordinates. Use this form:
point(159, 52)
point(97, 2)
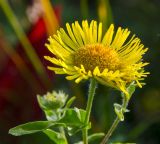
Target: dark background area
point(18, 97)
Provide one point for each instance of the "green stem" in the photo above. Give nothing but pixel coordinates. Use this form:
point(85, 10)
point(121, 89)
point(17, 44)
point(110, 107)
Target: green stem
point(111, 130)
point(115, 123)
point(91, 94)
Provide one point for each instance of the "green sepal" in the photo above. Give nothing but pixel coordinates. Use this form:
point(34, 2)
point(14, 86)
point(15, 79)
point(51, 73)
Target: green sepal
point(58, 138)
point(48, 105)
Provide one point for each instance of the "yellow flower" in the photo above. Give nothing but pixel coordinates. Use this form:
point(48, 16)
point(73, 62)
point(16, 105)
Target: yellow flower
point(83, 53)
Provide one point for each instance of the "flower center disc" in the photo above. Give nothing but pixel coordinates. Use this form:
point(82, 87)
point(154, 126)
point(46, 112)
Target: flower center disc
point(97, 55)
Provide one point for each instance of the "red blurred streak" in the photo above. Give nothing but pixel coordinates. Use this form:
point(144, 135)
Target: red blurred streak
point(18, 102)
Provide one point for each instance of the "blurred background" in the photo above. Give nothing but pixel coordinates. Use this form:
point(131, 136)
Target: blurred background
point(24, 28)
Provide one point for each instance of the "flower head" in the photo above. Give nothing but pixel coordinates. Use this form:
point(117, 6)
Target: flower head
point(52, 100)
point(83, 52)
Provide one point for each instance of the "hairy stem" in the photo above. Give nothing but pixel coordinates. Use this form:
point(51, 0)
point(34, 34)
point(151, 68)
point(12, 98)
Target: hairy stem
point(91, 94)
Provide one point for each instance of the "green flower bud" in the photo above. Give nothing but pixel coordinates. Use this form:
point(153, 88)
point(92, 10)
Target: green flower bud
point(52, 100)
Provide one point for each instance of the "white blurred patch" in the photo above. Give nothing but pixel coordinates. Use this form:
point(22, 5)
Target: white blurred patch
point(35, 11)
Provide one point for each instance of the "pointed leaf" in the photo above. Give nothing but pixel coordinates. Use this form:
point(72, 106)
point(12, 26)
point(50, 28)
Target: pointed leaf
point(70, 101)
point(118, 110)
point(130, 89)
point(95, 136)
point(118, 106)
point(123, 143)
point(31, 127)
point(74, 120)
point(51, 115)
point(73, 117)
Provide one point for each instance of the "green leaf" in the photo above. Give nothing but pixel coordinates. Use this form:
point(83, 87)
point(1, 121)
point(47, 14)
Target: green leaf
point(73, 117)
point(118, 106)
point(31, 127)
point(74, 120)
point(122, 143)
point(80, 142)
point(58, 138)
point(51, 115)
point(92, 137)
point(70, 101)
point(130, 89)
point(118, 110)
point(95, 136)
